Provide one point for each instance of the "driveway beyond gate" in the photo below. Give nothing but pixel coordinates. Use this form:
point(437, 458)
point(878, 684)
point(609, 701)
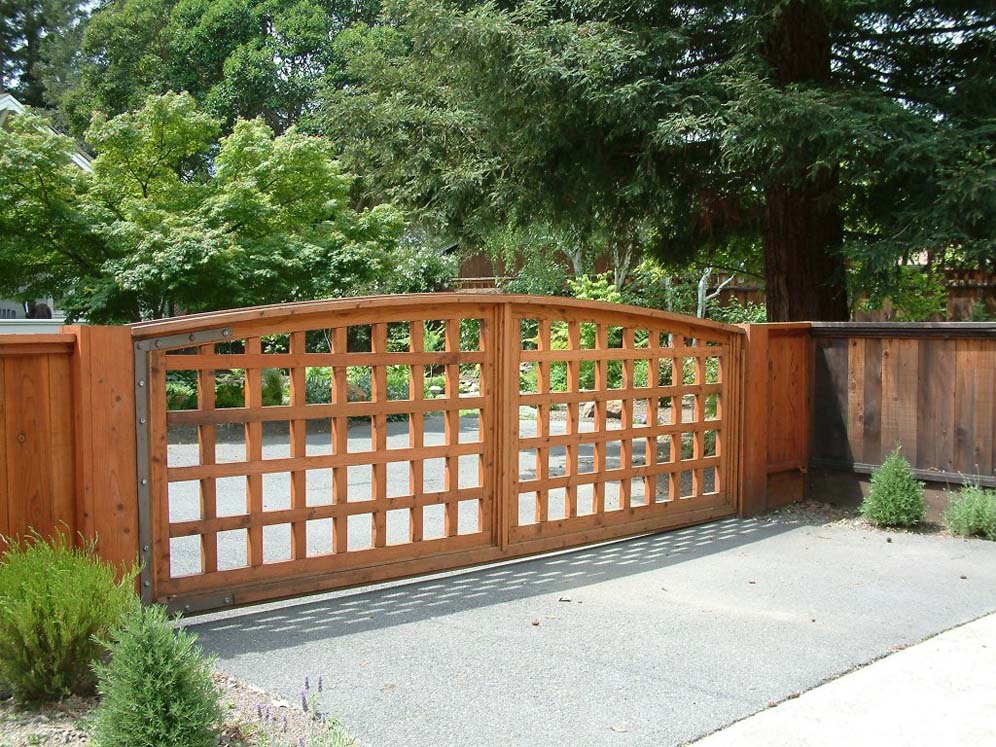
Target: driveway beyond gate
point(651, 641)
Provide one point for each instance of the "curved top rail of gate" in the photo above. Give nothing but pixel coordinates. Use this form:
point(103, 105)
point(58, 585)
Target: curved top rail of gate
point(306, 311)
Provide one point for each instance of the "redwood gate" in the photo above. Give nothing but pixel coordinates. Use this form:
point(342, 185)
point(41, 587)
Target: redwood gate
point(420, 433)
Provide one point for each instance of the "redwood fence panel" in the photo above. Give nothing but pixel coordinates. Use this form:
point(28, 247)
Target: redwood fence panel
point(929, 388)
point(36, 446)
point(67, 454)
point(668, 457)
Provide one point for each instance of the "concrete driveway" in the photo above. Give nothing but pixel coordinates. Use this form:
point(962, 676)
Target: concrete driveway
point(656, 640)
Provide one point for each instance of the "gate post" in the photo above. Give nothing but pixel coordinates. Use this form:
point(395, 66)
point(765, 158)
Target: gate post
point(754, 436)
point(106, 491)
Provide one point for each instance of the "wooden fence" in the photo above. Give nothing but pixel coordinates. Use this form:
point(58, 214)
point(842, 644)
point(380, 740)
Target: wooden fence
point(559, 422)
point(929, 388)
point(67, 455)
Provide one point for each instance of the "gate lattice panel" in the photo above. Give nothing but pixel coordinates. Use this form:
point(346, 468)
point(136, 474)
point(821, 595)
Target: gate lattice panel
point(621, 422)
point(420, 433)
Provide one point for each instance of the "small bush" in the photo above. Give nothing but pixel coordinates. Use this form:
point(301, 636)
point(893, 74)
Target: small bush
point(157, 689)
point(896, 497)
point(272, 392)
point(972, 513)
point(54, 598)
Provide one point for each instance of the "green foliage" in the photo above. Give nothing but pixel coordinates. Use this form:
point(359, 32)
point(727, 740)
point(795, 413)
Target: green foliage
point(274, 387)
point(238, 58)
point(174, 219)
point(56, 599)
point(913, 294)
point(687, 121)
point(318, 385)
point(737, 313)
point(979, 312)
point(412, 267)
point(972, 513)
point(531, 257)
point(36, 39)
point(157, 690)
point(895, 498)
point(180, 396)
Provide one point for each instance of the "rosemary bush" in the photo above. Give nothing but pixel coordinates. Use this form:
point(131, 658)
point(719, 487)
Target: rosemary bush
point(157, 690)
point(896, 497)
point(56, 599)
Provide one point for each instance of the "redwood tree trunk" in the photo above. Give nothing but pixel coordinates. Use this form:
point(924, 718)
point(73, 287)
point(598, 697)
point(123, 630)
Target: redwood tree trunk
point(804, 265)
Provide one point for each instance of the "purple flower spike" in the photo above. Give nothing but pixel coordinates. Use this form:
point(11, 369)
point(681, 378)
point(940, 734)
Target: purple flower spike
point(259, 711)
point(307, 685)
point(283, 727)
point(304, 702)
point(319, 683)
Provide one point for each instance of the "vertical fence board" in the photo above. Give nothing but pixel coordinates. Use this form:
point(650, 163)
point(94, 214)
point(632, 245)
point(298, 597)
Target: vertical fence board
point(871, 439)
point(855, 396)
point(830, 435)
point(907, 373)
point(5, 495)
point(984, 383)
point(61, 461)
point(28, 444)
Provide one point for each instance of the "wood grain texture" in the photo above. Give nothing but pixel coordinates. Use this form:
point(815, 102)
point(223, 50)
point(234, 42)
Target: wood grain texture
point(618, 341)
point(929, 390)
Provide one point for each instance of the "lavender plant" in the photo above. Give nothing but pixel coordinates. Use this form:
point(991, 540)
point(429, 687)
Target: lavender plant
point(322, 730)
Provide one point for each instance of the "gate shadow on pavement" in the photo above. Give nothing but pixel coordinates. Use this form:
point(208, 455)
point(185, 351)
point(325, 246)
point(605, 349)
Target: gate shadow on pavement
point(294, 622)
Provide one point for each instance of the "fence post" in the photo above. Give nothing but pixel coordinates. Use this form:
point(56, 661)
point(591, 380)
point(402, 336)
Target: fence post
point(754, 435)
point(102, 367)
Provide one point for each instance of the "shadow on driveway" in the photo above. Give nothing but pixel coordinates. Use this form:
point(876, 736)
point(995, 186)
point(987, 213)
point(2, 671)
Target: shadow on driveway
point(293, 623)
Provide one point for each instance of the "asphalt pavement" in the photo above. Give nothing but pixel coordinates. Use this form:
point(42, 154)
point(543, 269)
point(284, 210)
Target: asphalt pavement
point(656, 640)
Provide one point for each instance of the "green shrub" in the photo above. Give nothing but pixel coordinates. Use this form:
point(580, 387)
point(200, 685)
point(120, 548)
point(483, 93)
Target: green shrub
point(157, 690)
point(229, 389)
point(318, 385)
point(972, 513)
point(272, 392)
point(896, 497)
point(54, 598)
point(180, 396)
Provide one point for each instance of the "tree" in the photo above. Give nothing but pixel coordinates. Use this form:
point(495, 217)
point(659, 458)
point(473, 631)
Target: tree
point(175, 220)
point(33, 35)
point(823, 134)
point(238, 58)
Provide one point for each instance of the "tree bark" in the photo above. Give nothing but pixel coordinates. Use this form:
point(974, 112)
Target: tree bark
point(804, 265)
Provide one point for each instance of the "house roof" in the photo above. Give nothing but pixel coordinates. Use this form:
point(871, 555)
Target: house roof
point(10, 106)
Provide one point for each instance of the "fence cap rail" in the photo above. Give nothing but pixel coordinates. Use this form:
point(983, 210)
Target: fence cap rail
point(948, 330)
point(300, 309)
point(41, 344)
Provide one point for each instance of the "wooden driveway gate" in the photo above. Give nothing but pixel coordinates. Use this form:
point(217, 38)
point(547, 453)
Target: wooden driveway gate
point(420, 433)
